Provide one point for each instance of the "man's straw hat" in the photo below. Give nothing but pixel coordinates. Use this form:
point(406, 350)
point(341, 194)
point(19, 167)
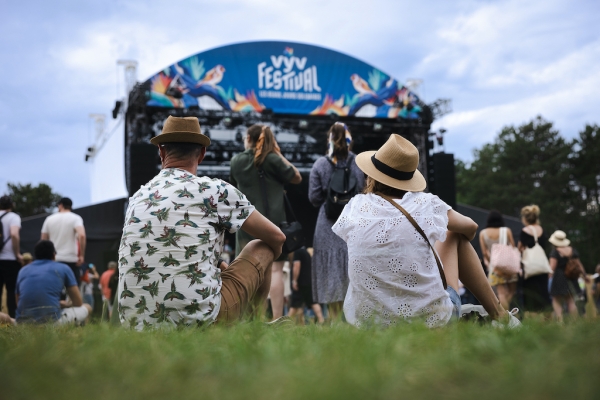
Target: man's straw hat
point(181, 130)
point(394, 164)
point(559, 239)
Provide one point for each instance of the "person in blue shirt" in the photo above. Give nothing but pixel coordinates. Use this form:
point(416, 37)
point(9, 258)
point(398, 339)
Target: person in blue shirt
point(39, 286)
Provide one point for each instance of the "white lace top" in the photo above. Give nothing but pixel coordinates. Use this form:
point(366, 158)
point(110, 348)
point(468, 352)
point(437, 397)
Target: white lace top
point(392, 270)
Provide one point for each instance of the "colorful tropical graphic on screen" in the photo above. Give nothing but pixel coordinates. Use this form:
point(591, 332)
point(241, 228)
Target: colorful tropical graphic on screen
point(287, 78)
point(181, 84)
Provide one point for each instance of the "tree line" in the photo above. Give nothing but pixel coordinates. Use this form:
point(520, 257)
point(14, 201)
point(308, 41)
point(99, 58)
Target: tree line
point(32, 200)
point(534, 164)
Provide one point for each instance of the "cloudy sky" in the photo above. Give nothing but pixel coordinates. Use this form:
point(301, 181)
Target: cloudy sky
point(501, 63)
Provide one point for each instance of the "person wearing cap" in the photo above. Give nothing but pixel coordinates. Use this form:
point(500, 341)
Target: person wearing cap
point(65, 229)
point(394, 272)
point(173, 238)
point(563, 290)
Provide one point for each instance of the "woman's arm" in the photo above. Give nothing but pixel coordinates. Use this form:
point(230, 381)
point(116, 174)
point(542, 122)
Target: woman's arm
point(553, 263)
point(459, 223)
point(297, 177)
point(315, 187)
point(511, 240)
point(484, 250)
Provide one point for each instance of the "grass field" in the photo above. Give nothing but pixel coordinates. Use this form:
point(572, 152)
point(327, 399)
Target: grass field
point(253, 361)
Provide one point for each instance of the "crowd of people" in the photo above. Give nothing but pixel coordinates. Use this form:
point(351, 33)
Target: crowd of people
point(390, 252)
point(543, 290)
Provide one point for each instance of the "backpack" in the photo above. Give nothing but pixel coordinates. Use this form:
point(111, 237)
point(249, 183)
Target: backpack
point(572, 270)
point(342, 187)
point(3, 240)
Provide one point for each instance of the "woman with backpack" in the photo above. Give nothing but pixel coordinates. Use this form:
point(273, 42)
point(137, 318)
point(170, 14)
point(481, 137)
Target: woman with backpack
point(263, 158)
point(330, 176)
point(564, 288)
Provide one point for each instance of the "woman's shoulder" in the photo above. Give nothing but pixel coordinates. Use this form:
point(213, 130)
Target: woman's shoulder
point(240, 157)
point(423, 198)
point(321, 162)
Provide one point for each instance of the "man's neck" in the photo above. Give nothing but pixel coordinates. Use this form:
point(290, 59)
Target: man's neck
point(192, 169)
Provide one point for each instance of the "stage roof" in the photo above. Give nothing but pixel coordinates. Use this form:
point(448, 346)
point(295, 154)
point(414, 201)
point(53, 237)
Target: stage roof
point(283, 78)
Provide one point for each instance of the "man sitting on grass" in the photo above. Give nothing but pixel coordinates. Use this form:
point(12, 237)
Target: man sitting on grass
point(173, 239)
point(39, 286)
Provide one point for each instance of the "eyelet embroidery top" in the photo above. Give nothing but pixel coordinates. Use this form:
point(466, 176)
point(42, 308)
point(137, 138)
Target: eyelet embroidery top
point(392, 271)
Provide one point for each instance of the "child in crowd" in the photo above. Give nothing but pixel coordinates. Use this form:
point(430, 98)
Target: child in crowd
point(302, 285)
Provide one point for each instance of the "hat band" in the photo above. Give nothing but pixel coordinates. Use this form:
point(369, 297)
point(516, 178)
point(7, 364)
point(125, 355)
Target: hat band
point(391, 172)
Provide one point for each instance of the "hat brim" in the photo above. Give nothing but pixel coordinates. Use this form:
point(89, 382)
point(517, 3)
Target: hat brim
point(559, 243)
point(416, 184)
point(181, 137)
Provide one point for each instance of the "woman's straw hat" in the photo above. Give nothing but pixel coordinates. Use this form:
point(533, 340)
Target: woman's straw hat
point(181, 130)
point(559, 239)
point(394, 164)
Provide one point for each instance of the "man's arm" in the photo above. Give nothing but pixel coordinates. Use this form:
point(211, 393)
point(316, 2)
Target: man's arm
point(82, 241)
point(295, 274)
point(75, 296)
point(45, 236)
point(261, 228)
point(16, 242)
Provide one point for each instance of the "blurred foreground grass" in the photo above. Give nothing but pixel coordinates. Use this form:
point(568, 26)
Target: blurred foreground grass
point(254, 361)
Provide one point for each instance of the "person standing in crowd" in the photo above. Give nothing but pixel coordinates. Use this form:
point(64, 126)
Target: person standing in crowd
point(262, 157)
point(90, 275)
point(394, 272)
point(536, 298)
point(10, 255)
point(505, 285)
point(173, 238)
point(107, 293)
point(302, 285)
point(39, 287)
point(330, 260)
point(596, 287)
point(65, 229)
point(562, 289)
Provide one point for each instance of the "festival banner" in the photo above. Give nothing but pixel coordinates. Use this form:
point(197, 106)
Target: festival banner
point(285, 77)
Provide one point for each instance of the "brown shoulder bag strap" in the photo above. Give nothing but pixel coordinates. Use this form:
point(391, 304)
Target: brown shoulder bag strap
point(418, 228)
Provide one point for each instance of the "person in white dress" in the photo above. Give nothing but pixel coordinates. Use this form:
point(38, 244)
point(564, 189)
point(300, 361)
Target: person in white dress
point(393, 271)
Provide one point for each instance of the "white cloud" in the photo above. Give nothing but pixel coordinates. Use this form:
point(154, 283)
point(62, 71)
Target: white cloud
point(502, 62)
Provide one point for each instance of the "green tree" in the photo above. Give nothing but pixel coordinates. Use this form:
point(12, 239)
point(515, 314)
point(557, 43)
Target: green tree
point(32, 200)
point(586, 232)
point(526, 165)
point(533, 164)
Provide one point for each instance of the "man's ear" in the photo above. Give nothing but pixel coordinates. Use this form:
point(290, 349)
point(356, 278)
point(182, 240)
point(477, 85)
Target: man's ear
point(161, 152)
point(202, 154)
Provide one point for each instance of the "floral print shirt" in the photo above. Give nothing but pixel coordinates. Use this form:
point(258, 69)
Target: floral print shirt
point(172, 239)
point(392, 271)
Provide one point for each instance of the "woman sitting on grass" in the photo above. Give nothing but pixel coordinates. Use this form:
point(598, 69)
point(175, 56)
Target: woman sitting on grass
point(393, 271)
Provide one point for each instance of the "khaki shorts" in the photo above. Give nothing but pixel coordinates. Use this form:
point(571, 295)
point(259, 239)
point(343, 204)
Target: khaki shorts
point(245, 286)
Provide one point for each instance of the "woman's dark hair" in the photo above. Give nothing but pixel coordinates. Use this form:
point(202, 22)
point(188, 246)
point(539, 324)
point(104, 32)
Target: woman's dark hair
point(373, 186)
point(495, 219)
point(6, 202)
point(66, 202)
point(338, 135)
point(263, 141)
point(44, 250)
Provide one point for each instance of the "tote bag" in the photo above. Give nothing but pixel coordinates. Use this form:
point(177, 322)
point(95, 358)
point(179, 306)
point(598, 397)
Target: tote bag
point(534, 260)
point(505, 258)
